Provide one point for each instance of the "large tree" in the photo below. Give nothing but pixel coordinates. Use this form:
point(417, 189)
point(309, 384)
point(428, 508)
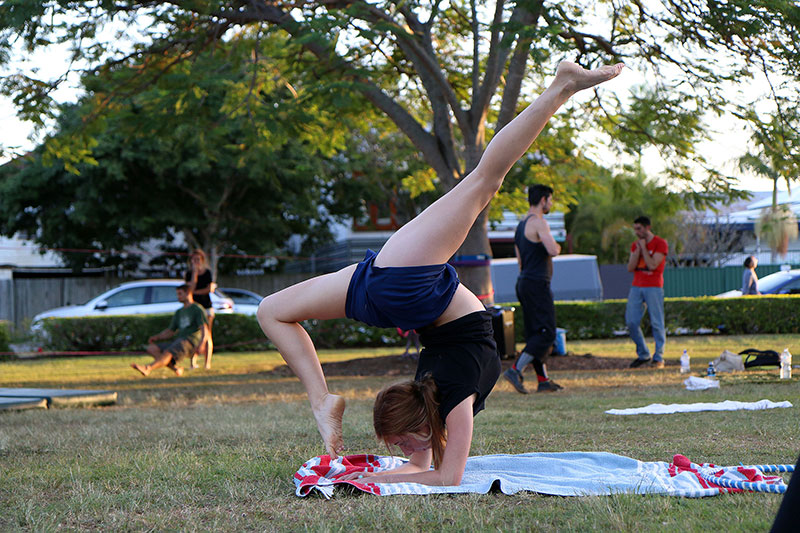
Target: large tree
point(219, 151)
point(448, 73)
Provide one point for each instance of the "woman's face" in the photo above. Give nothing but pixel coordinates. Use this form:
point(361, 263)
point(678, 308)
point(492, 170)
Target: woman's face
point(409, 444)
point(197, 260)
point(755, 261)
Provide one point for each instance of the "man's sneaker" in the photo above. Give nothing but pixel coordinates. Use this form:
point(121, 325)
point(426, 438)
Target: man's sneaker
point(639, 362)
point(657, 364)
point(514, 377)
point(549, 386)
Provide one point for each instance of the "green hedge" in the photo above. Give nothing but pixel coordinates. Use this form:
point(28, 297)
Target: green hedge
point(5, 336)
point(582, 320)
point(232, 332)
point(732, 316)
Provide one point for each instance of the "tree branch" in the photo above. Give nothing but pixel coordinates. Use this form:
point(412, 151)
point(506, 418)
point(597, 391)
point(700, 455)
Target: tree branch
point(516, 68)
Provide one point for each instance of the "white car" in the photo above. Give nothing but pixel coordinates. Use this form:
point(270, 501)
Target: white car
point(145, 297)
point(781, 282)
point(246, 302)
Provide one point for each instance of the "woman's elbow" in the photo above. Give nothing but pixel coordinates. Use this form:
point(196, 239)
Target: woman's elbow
point(451, 479)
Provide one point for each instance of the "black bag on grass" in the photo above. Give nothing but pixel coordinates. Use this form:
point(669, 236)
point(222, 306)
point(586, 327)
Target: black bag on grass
point(753, 357)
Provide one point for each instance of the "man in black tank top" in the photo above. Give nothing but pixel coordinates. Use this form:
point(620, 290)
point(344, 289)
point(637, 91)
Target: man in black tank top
point(535, 249)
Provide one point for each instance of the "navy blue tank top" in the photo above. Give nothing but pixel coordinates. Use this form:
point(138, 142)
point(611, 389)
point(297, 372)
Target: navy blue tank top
point(537, 263)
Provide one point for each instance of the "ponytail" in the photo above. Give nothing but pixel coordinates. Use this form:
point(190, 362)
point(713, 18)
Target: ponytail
point(411, 408)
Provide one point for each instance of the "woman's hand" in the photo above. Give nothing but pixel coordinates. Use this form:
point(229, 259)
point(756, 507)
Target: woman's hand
point(354, 476)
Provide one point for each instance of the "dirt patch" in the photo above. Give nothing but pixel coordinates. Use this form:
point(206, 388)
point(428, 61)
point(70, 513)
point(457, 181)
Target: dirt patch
point(398, 365)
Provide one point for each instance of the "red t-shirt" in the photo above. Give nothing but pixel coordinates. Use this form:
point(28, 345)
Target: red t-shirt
point(642, 277)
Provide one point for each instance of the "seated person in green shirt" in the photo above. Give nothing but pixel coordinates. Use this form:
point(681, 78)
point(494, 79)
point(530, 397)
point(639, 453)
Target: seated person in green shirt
point(188, 326)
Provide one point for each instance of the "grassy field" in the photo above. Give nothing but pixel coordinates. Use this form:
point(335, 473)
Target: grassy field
point(216, 450)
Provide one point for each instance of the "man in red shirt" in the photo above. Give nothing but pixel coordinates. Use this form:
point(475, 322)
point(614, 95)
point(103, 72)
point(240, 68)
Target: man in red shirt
point(647, 260)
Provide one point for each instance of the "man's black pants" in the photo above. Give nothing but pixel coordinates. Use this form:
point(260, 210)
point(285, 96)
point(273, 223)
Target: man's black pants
point(539, 316)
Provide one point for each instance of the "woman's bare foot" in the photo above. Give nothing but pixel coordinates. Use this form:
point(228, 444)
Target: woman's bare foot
point(576, 78)
point(329, 422)
point(142, 369)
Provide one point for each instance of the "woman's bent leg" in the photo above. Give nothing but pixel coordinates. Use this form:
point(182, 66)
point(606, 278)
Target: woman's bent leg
point(436, 233)
point(279, 315)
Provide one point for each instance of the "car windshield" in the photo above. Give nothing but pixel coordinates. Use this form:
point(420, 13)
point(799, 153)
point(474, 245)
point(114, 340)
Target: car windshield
point(769, 283)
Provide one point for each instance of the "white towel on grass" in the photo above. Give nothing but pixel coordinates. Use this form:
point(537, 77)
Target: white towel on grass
point(727, 405)
point(559, 474)
point(696, 383)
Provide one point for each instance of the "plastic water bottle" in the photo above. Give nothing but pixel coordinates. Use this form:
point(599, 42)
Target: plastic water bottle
point(711, 372)
point(685, 363)
point(786, 364)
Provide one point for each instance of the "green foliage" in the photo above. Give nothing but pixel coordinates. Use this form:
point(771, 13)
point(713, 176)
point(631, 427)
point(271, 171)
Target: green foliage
point(776, 140)
point(386, 171)
point(101, 333)
point(558, 162)
point(5, 336)
point(583, 320)
point(232, 332)
point(730, 316)
point(436, 72)
point(601, 223)
point(228, 153)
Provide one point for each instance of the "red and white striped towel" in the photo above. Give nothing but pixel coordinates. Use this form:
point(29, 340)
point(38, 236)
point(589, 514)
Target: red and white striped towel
point(321, 473)
point(560, 474)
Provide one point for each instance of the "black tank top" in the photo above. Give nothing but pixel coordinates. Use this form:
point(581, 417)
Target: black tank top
point(203, 281)
point(537, 263)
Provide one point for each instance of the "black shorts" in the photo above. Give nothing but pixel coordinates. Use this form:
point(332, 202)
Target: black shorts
point(405, 297)
point(179, 348)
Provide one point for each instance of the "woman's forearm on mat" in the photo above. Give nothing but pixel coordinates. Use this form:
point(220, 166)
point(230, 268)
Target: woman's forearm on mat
point(430, 477)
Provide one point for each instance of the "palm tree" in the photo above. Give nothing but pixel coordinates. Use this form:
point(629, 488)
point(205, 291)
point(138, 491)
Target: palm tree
point(775, 158)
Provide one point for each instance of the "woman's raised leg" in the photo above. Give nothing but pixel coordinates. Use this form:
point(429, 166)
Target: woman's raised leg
point(279, 315)
point(436, 233)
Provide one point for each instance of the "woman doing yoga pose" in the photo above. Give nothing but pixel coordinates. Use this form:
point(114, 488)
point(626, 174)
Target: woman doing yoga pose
point(409, 285)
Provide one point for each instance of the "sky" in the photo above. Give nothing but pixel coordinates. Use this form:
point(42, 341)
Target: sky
point(727, 143)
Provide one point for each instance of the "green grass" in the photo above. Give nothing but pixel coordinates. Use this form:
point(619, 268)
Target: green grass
point(216, 450)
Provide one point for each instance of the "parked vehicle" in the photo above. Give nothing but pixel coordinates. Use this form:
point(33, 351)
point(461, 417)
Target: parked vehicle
point(246, 302)
point(575, 277)
point(145, 297)
point(783, 282)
